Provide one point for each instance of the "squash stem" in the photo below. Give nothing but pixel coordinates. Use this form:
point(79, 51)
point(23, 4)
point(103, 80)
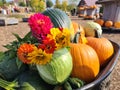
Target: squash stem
point(97, 34)
point(79, 38)
point(77, 35)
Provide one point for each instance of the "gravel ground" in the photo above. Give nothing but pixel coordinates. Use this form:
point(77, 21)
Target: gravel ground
point(22, 28)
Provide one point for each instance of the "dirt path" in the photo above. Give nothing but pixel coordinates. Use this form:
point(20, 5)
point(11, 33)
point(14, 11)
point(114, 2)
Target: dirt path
point(22, 28)
point(6, 33)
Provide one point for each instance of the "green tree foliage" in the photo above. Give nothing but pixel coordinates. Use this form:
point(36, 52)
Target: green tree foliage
point(71, 7)
point(3, 1)
point(49, 3)
point(22, 4)
point(67, 5)
point(1, 4)
point(38, 5)
point(58, 4)
point(64, 5)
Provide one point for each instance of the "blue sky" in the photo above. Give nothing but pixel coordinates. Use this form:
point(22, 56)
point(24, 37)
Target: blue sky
point(51, 0)
point(12, 0)
point(9, 0)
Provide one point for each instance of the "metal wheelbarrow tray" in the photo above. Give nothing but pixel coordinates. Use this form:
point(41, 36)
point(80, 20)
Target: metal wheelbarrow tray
point(102, 81)
point(111, 30)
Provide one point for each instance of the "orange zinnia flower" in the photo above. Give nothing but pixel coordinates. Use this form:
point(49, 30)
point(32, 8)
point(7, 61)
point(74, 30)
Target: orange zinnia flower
point(23, 51)
point(48, 45)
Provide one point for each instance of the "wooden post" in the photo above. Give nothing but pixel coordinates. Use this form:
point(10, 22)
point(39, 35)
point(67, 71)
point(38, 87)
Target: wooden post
point(109, 11)
point(117, 16)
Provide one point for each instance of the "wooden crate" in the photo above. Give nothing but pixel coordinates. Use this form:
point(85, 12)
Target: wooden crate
point(2, 22)
point(90, 12)
point(8, 21)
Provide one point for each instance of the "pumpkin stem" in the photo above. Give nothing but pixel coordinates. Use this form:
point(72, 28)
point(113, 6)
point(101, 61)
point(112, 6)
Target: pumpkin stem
point(76, 37)
point(97, 34)
point(79, 38)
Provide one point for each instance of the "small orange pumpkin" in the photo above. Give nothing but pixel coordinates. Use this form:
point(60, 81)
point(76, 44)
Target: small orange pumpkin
point(103, 47)
point(117, 24)
point(100, 21)
point(108, 23)
point(81, 15)
point(86, 17)
point(94, 6)
point(81, 8)
point(85, 62)
point(90, 16)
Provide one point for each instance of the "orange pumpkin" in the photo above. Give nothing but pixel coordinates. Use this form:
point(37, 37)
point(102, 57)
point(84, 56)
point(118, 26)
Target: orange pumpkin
point(108, 24)
point(117, 24)
point(100, 21)
point(81, 8)
point(86, 17)
point(78, 28)
point(75, 26)
point(85, 62)
point(103, 47)
point(94, 6)
point(81, 15)
point(82, 32)
point(90, 16)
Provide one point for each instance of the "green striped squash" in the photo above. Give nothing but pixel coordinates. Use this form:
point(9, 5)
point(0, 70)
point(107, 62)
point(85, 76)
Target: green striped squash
point(60, 19)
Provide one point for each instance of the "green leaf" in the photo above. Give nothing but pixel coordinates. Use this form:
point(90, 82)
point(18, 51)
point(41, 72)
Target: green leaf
point(18, 62)
point(18, 37)
point(12, 54)
point(68, 48)
point(1, 56)
point(27, 86)
point(27, 36)
point(8, 46)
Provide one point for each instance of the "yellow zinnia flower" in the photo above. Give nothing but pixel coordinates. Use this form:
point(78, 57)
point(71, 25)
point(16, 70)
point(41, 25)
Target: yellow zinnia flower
point(63, 39)
point(54, 32)
point(38, 56)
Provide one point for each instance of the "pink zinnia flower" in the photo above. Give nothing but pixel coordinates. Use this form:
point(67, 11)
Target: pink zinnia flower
point(40, 25)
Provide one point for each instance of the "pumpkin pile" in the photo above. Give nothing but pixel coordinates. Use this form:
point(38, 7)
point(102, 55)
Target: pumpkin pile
point(90, 52)
point(108, 23)
point(57, 54)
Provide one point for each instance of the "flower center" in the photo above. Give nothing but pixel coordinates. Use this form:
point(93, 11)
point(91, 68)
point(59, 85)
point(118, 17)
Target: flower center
point(48, 47)
point(25, 55)
point(40, 56)
point(40, 22)
point(60, 39)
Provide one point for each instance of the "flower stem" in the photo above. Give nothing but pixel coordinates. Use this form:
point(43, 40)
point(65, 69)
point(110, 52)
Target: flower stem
point(8, 85)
